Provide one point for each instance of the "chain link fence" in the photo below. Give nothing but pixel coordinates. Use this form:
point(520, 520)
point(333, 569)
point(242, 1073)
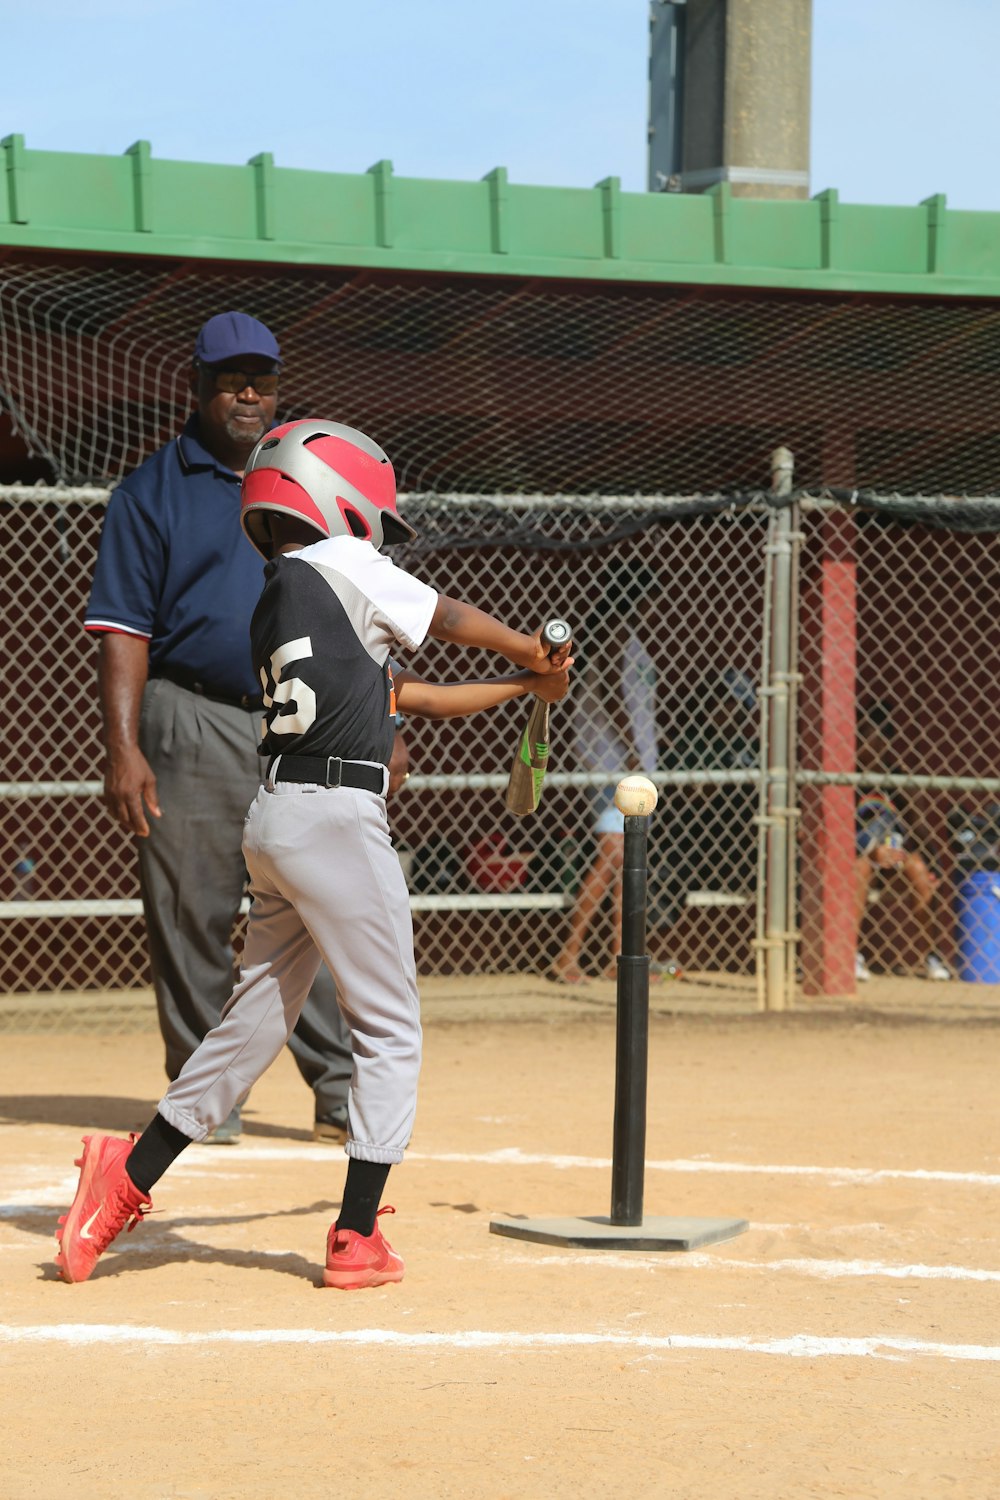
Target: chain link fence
point(891, 768)
point(490, 891)
point(899, 646)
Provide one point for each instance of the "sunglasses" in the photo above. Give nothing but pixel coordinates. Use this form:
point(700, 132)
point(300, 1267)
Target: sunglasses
point(234, 381)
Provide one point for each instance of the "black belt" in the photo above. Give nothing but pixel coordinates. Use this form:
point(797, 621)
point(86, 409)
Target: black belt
point(328, 771)
point(185, 680)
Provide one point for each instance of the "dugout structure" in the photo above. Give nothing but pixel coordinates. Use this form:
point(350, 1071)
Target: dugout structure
point(568, 382)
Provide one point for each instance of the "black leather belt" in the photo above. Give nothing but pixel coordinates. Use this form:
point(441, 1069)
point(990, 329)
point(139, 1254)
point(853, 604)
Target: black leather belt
point(328, 771)
point(182, 679)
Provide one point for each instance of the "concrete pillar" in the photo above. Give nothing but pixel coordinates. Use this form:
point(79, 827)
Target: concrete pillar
point(746, 97)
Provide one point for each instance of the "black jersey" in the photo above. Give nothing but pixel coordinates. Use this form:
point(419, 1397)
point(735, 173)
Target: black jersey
point(321, 637)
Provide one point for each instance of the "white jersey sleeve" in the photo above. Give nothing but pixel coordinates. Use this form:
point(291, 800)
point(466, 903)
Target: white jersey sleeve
point(401, 605)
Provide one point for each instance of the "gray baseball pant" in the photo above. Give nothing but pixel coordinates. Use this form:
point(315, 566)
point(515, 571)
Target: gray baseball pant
point(326, 883)
point(192, 876)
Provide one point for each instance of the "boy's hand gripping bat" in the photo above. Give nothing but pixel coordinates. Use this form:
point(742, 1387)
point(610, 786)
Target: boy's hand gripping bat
point(524, 785)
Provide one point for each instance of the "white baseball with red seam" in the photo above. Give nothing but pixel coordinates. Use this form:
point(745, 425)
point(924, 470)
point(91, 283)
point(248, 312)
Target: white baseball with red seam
point(635, 796)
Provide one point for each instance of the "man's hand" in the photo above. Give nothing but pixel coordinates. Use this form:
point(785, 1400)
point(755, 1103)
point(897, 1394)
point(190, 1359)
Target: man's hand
point(129, 789)
point(122, 674)
point(885, 856)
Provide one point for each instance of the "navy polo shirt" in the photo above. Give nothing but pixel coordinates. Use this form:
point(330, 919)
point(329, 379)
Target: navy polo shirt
point(175, 568)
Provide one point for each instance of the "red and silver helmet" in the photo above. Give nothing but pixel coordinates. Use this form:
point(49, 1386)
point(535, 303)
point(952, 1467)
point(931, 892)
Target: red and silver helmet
point(331, 476)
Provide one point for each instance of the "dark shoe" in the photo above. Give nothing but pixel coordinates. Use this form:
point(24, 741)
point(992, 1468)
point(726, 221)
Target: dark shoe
point(331, 1128)
point(228, 1133)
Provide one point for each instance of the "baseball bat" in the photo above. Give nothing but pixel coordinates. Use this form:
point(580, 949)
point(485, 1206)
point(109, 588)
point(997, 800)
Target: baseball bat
point(524, 785)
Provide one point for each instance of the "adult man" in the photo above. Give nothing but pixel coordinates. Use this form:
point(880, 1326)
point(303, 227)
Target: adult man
point(174, 590)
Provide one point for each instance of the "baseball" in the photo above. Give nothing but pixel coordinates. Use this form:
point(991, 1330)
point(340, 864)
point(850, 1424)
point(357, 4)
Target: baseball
point(635, 796)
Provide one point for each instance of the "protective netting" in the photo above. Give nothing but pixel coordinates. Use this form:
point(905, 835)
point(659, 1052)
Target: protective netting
point(506, 386)
point(895, 631)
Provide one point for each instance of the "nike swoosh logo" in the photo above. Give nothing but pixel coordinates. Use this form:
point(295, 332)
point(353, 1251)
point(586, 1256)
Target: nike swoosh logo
point(83, 1232)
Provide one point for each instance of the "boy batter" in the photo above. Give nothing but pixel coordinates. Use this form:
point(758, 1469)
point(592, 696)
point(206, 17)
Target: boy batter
point(318, 501)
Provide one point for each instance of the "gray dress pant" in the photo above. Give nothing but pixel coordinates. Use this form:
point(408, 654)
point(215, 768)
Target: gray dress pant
point(193, 876)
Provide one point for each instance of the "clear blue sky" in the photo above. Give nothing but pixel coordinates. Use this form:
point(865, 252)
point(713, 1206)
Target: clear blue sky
point(554, 90)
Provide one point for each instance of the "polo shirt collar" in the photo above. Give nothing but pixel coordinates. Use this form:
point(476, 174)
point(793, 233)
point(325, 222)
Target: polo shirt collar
point(193, 453)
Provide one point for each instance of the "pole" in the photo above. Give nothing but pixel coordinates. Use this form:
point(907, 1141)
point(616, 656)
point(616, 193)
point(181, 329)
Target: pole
point(794, 811)
point(763, 761)
point(776, 936)
point(632, 1043)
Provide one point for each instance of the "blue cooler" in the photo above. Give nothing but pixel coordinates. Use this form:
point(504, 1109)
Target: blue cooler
point(978, 927)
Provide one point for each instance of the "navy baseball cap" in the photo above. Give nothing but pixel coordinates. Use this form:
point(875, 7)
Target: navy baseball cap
point(231, 335)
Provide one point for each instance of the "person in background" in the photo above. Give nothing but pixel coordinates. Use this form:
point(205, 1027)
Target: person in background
point(884, 843)
point(614, 731)
point(173, 593)
point(708, 836)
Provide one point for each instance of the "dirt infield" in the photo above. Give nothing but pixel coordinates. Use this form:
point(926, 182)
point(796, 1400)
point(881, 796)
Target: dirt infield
point(847, 1345)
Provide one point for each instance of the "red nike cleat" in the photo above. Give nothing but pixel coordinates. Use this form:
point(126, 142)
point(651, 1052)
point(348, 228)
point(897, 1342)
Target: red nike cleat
point(355, 1260)
point(107, 1201)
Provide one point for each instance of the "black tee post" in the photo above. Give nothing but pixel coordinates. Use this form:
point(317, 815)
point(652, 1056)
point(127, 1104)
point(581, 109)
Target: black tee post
point(626, 1229)
point(632, 1046)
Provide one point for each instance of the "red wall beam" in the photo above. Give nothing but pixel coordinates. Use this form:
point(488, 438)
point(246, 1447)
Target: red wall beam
point(829, 613)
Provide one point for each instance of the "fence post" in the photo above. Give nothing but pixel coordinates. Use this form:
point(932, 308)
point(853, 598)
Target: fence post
point(794, 811)
point(777, 769)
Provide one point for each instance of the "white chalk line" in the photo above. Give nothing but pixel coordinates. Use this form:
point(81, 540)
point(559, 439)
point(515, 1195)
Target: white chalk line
point(513, 1156)
point(797, 1346)
point(208, 1161)
point(827, 1270)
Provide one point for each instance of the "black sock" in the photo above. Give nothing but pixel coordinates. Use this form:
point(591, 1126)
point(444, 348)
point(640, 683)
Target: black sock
point(362, 1194)
point(158, 1146)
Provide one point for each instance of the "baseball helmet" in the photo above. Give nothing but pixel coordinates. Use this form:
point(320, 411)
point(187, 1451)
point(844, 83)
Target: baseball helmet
point(331, 476)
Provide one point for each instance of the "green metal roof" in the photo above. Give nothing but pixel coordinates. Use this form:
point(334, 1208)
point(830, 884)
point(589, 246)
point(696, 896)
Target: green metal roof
point(136, 204)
